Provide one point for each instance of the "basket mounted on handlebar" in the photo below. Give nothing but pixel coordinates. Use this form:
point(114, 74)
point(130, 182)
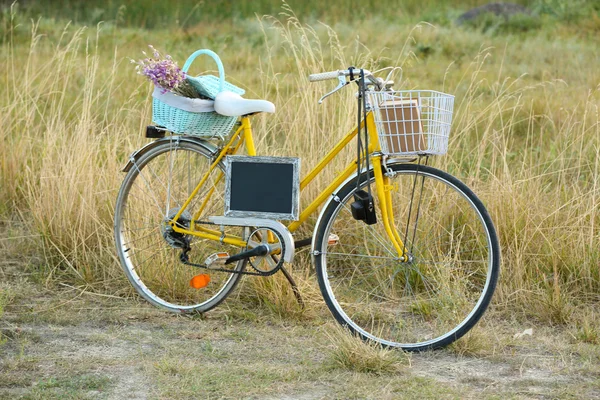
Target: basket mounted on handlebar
point(412, 122)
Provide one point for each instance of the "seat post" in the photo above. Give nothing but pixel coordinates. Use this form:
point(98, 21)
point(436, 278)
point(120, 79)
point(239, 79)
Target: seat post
point(248, 136)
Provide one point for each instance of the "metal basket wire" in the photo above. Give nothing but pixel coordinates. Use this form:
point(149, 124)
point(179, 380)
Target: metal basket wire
point(412, 122)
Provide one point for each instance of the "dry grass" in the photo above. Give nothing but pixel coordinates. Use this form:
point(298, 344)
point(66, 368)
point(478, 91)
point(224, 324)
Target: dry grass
point(586, 328)
point(72, 344)
point(276, 295)
point(4, 299)
point(476, 343)
point(526, 135)
point(349, 352)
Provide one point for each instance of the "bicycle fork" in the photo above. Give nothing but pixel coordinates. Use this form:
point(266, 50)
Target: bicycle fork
point(383, 189)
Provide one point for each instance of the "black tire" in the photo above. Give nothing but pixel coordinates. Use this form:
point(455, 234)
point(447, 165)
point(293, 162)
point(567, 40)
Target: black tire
point(422, 304)
point(156, 186)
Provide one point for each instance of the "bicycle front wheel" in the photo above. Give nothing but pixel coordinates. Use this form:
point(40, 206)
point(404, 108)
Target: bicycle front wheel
point(152, 193)
point(437, 294)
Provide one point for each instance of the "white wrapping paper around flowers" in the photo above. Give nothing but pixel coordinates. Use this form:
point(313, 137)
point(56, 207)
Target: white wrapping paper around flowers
point(183, 103)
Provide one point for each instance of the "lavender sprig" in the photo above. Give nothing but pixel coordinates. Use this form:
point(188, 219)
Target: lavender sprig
point(165, 73)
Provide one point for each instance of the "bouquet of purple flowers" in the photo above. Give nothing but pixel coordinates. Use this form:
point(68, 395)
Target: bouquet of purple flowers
point(165, 73)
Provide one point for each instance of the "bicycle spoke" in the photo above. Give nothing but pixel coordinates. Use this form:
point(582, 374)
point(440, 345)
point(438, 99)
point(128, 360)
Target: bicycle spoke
point(418, 303)
point(151, 195)
point(137, 239)
point(330, 253)
point(158, 185)
point(382, 241)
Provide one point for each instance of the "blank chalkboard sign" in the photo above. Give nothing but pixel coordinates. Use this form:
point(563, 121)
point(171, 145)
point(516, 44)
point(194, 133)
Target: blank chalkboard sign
point(262, 187)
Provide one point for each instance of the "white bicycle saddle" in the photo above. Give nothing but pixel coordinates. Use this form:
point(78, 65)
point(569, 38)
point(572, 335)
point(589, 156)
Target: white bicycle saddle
point(234, 105)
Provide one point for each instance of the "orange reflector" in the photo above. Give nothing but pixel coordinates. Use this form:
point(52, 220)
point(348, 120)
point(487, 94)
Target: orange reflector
point(200, 281)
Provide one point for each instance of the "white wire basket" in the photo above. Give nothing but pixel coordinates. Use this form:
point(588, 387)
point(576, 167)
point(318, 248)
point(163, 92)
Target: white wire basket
point(412, 122)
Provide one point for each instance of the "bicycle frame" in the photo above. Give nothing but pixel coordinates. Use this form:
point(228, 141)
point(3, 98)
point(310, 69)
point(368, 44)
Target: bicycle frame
point(243, 136)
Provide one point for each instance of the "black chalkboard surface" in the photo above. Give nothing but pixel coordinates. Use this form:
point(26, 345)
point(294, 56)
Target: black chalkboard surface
point(263, 187)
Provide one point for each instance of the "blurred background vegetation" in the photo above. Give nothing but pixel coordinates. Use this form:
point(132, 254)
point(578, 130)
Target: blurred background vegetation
point(150, 14)
point(526, 131)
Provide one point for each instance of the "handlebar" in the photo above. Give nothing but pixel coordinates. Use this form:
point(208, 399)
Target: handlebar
point(342, 81)
point(323, 76)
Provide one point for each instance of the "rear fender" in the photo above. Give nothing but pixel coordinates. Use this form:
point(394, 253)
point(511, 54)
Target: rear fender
point(136, 155)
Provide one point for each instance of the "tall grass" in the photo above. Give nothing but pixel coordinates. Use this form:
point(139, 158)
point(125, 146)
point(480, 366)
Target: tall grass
point(526, 135)
point(62, 142)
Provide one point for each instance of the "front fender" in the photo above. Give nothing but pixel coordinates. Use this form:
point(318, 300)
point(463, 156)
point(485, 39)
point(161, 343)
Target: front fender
point(136, 155)
point(334, 196)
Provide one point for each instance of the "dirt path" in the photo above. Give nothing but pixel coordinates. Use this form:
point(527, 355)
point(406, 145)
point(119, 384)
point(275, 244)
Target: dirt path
point(69, 343)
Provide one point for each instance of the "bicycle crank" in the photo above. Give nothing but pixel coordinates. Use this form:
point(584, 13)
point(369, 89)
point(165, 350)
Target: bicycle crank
point(268, 246)
point(263, 253)
point(268, 260)
point(269, 240)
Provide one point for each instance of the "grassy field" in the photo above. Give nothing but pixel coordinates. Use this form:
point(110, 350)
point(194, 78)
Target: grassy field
point(525, 137)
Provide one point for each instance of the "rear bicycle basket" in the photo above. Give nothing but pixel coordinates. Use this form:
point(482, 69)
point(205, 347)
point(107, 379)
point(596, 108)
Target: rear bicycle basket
point(412, 122)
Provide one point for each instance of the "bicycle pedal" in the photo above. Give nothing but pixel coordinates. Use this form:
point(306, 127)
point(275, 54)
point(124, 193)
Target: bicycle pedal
point(217, 259)
point(333, 239)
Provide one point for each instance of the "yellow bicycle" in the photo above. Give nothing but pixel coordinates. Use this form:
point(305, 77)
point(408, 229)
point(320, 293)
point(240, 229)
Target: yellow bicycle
point(406, 255)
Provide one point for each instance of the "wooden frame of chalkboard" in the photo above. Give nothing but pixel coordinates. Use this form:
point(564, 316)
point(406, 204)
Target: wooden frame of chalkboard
point(262, 187)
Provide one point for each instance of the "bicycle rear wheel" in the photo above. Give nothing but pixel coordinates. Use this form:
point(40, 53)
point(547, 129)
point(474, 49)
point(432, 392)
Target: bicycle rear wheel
point(152, 193)
point(426, 302)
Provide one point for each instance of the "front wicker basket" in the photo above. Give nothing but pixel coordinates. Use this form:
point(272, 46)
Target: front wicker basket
point(412, 122)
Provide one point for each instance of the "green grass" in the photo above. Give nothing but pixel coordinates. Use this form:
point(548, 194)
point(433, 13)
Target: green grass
point(188, 13)
point(73, 387)
point(185, 14)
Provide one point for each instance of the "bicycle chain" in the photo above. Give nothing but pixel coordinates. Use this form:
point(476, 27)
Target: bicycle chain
point(184, 258)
